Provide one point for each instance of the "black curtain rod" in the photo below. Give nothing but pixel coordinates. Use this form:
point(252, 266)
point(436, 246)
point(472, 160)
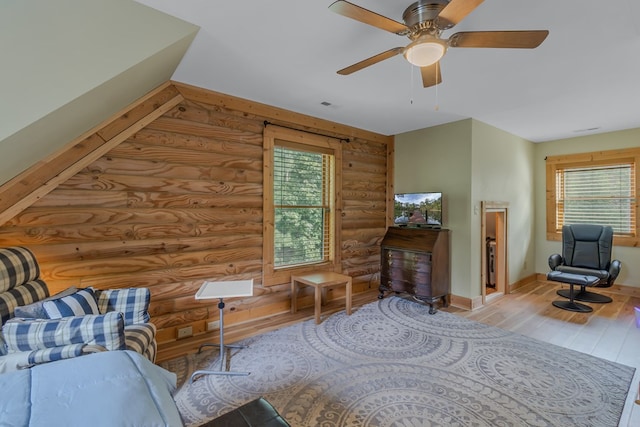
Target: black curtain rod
point(347, 140)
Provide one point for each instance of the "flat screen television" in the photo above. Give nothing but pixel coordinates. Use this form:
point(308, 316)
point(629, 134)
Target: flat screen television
point(418, 209)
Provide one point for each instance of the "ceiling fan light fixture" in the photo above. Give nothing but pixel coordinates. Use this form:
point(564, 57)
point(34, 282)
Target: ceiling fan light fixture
point(425, 51)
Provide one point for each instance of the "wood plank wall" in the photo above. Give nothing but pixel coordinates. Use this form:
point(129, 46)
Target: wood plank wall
point(180, 201)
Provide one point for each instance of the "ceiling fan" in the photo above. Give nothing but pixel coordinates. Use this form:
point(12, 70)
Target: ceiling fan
point(424, 22)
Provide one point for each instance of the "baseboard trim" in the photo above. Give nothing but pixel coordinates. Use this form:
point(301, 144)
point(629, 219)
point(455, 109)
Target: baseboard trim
point(466, 303)
point(476, 302)
point(460, 302)
point(523, 282)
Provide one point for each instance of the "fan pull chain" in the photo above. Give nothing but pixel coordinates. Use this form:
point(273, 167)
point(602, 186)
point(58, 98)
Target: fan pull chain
point(411, 86)
point(437, 102)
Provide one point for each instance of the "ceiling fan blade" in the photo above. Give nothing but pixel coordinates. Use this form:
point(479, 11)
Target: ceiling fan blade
point(370, 61)
point(503, 39)
point(431, 75)
point(456, 11)
point(363, 15)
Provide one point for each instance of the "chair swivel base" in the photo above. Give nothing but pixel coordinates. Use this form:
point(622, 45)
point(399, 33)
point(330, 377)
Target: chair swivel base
point(572, 280)
point(572, 306)
point(585, 296)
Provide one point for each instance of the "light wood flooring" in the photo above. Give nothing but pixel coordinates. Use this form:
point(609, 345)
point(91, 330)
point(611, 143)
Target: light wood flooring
point(608, 332)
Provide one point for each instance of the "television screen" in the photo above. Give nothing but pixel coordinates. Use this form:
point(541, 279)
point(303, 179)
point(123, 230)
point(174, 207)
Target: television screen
point(418, 209)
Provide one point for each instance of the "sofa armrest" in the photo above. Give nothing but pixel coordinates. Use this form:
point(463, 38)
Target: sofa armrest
point(554, 261)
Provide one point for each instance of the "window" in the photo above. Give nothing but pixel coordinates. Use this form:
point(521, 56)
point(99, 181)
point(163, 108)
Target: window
point(302, 199)
point(300, 203)
point(598, 188)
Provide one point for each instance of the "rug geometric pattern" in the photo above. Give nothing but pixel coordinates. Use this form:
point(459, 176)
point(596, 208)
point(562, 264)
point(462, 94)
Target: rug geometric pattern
point(392, 364)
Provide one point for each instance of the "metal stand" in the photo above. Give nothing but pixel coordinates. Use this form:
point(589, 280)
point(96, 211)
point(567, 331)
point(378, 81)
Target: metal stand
point(224, 369)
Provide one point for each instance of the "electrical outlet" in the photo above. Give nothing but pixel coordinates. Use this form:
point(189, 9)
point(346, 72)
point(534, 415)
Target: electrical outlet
point(213, 325)
point(185, 332)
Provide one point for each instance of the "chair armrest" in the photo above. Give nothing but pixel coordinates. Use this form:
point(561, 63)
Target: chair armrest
point(555, 260)
point(614, 270)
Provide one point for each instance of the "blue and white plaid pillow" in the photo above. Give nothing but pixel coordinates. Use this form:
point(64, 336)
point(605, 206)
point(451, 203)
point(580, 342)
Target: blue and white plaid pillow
point(40, 334)
point(36, 310)
point(23, 294)
point(57, 353)
point(17, 265)
point(3, 346)
point(78, 304)
point(132, 302)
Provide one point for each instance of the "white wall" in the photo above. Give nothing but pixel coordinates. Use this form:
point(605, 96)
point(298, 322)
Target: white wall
point(439, 159)
point(630, 273)
point(503, 171)
point(67, 65)
point(470, 161)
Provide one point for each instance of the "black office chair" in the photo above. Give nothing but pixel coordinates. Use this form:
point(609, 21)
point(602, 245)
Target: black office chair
point(586, 254)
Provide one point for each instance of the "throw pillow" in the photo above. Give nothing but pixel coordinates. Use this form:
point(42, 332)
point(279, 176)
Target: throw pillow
point(26, 293)
point(40, 334)
point(81, 303)
point(3, 346)
point(36, 309)
point(18, 265)
point(132, 302)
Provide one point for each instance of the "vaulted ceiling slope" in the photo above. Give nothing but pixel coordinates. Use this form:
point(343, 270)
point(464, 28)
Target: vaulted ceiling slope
point(68, 65)
point(286, 53)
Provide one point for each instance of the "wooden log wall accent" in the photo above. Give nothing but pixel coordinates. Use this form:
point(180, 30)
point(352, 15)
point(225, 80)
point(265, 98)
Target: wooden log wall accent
point(177, 199)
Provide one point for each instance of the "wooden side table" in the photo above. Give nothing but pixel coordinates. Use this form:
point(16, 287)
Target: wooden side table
point(320, 281)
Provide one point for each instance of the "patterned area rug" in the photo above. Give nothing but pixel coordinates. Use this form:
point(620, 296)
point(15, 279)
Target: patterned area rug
point(392, 364)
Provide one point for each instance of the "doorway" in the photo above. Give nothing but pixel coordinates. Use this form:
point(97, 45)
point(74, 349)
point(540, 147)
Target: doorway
point(494, 251)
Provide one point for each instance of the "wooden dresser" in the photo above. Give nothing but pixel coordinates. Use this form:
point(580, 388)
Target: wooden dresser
point(416, 261)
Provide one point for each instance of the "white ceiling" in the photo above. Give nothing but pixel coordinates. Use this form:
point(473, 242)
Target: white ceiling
point(286, 53)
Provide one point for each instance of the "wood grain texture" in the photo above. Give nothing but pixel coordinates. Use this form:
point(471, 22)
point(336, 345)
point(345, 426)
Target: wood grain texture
point(179, 200)
point(40, 179)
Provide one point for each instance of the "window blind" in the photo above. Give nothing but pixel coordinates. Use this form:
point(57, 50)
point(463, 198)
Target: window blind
point(601, 195)
point(302, 206)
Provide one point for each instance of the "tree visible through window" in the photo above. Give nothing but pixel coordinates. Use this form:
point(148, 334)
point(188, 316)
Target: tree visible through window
point(302, 189)
point(302, 201)
point(594, 188)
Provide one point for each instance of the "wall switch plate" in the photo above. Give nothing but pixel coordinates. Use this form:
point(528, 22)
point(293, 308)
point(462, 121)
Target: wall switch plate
point(185, 332)
point(213, 325)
